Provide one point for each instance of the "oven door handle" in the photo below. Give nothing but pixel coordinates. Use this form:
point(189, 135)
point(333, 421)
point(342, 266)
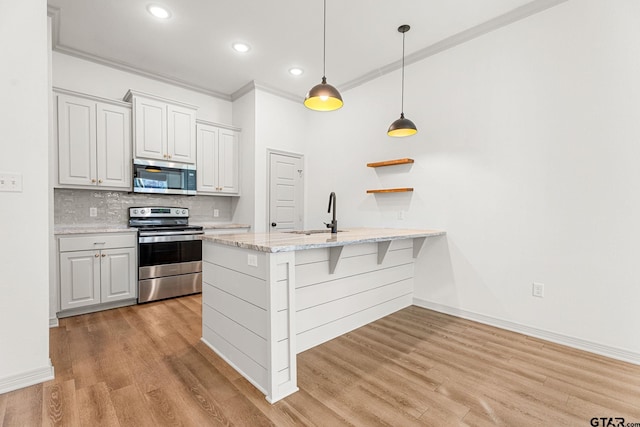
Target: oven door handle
point(154, 238)
point(169, 233)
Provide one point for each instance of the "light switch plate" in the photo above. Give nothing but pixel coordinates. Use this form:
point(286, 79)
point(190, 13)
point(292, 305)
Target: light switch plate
point(538, 290)
point(216, 213)
point(11, 182)
point(93, 211)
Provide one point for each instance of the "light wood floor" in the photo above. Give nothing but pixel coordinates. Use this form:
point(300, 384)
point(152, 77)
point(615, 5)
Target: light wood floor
point(144, 366)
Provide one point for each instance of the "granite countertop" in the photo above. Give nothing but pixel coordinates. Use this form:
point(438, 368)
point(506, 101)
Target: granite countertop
point(101, 228)
point(286, 242)
point(218, 225)
point(86, 229)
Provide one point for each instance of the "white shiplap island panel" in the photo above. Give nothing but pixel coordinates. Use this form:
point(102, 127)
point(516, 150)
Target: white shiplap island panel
point(267, 297)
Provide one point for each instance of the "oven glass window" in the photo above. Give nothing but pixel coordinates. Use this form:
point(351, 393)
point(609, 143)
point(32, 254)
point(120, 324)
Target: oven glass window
point(169, 252)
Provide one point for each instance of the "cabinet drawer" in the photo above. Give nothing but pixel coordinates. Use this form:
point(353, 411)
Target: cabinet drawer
point(97, 241)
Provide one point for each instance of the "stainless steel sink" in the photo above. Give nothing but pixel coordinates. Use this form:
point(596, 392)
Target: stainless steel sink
point(309, 232)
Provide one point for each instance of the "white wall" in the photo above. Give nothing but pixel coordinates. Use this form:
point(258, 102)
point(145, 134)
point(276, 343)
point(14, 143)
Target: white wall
point(527, 155)
point(281, 124)
point(24, 217)
point(244, 116)
point(80, 75)
point(268, 122)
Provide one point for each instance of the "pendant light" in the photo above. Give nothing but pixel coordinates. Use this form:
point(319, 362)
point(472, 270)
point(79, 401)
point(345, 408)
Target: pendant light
point(402, 126)
point(323, 97)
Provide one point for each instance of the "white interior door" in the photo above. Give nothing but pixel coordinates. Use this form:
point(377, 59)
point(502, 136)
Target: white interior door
point(286, 192)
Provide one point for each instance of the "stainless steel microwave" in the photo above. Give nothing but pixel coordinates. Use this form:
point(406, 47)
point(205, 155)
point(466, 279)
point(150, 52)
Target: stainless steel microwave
point(153, 176)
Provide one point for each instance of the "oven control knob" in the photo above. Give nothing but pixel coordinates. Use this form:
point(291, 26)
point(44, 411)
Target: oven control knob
point(177, 211)
point(184, 211)
point(142, 211)
point(135, 211)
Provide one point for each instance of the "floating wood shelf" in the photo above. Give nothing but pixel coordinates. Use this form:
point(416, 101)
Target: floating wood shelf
point(390, 190)
point(390, 163)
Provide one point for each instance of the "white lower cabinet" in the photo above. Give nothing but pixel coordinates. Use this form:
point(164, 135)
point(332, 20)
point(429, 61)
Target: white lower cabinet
point(97, 269)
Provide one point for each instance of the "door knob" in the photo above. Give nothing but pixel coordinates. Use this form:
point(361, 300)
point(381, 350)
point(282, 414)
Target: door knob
point(273, 224)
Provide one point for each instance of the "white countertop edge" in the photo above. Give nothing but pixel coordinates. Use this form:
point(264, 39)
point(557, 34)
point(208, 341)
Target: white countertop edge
point(65, 230)
point(88, 229)
point(219, 225)
point(228, 240)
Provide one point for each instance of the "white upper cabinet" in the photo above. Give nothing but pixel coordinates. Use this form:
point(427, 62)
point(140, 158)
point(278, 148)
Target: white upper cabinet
point(228, 161)
point(94, 142)
point(113, 145)
point(150, 128)
point(218, 169)
point(181, 141)
point(163, 129)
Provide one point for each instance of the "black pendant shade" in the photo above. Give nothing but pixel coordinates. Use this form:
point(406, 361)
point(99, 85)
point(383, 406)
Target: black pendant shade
point(323, 96)
point(402, 126)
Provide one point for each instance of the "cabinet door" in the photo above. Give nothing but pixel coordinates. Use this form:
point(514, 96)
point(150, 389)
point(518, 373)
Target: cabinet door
point(207, 170)
point(79, 279)
point(228, 162)
point(181, 140)
point(150, 124)
point(113, 146)
point(76, 141)
point(118, 274)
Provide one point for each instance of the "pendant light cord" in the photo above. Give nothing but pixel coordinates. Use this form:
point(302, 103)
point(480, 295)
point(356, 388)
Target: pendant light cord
point(402, 96)
point(324, 40)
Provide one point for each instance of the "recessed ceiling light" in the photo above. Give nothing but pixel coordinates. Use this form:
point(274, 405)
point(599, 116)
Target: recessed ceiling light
point(296, 71)
point(158, 11)
point(241, 47)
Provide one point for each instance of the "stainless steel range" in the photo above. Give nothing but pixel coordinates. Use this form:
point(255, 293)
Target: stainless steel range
point(169, 253)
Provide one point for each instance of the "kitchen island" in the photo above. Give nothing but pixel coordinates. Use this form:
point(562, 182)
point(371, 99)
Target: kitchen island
point(269, 296)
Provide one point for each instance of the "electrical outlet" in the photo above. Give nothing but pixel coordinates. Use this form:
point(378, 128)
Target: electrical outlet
point(252, 260)
point(538, 290)
point(93, 211)
point(401, 215)
point(216, 213)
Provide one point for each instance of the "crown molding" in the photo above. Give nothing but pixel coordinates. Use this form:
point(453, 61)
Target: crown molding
point(57, 47)
point(254, 85)
point(243, 90)
point(54, 14)
point(479, 30)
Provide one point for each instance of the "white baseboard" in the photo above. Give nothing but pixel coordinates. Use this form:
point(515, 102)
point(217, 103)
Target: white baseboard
point(53, 322)
point(26, 379)
point(592, 347)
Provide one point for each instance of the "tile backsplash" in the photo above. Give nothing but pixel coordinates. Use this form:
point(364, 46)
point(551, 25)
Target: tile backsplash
point(71, 207)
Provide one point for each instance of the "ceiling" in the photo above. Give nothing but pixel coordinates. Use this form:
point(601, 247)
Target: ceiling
point(193, 47)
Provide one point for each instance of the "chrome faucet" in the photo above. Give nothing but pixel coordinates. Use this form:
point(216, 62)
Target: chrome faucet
point(334, 222)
